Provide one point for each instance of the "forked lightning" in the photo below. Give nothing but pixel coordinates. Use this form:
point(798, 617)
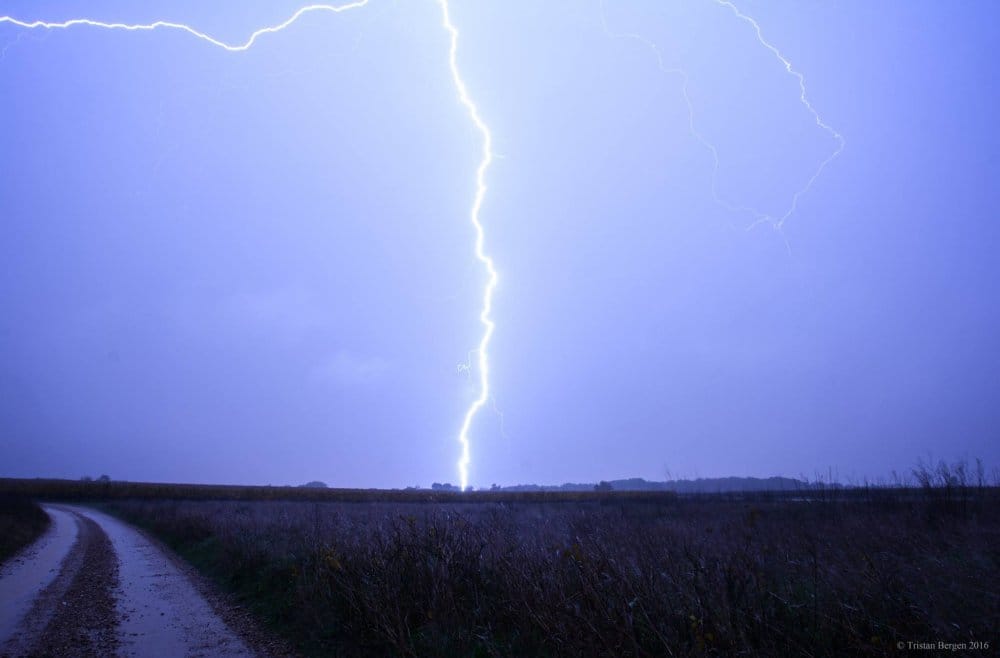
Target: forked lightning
point(485, 315)
point(757, 216)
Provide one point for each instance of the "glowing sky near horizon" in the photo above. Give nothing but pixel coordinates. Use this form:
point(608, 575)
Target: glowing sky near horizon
point(259, 268)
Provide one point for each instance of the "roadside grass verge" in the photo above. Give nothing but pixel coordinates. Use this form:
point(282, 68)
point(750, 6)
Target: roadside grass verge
point(22, 521)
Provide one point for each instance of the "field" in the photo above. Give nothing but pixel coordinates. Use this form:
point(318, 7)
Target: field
point(617, 574)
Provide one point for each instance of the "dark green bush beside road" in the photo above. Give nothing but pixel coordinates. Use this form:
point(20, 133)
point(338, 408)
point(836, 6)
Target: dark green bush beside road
point(21, 522)
point(688, 577)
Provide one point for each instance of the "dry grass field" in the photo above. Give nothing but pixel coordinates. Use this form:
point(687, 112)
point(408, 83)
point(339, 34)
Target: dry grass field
point(394, 573)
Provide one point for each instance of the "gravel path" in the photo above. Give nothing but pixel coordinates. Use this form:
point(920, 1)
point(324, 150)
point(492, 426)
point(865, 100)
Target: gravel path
point(160, 610)
point(94, 586)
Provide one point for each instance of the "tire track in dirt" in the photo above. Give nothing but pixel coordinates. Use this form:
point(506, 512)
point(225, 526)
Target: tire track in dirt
point(161, 613)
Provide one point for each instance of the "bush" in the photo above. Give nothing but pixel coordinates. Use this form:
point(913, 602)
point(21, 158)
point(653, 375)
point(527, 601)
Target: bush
point(22, 521)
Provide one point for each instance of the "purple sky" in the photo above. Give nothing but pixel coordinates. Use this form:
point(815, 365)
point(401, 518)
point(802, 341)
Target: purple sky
point(258, 267)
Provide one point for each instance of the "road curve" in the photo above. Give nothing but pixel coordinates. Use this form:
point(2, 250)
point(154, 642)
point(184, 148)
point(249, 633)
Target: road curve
point(152, 608)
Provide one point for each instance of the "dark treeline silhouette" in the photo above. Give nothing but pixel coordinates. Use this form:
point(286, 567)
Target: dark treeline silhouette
point(941, 481)
point(699, 485)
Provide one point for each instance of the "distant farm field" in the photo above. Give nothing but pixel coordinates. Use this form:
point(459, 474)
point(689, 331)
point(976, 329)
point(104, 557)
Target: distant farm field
point(416, 573)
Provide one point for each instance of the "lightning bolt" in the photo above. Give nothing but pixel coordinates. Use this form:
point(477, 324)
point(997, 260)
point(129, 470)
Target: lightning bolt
point(685, 83)
point(487, 155)
point(464, 99)
point(167, 25)
point(758, 217)
point(804, 100)
point(484, 258)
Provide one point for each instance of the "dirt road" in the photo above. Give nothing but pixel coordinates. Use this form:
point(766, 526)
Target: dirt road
point(94, 586)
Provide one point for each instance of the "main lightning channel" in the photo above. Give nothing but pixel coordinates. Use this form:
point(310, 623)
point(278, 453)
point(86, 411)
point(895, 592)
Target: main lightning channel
point(464, 99)
point(491, 282)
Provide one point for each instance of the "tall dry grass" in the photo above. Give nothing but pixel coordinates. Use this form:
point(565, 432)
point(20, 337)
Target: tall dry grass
point(704, 576)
